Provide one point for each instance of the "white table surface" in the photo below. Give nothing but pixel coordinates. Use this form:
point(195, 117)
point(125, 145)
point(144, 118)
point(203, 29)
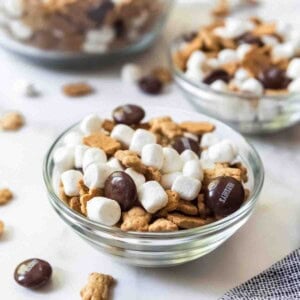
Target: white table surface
point(34, 230)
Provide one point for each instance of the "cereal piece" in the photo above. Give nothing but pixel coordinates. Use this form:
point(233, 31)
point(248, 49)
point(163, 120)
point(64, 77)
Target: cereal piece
point(265, 29)
point(11, 121)
point(218, 171)
point(83, 189)
point(198, 128)
point(2, 227)
point(221, 9)
point(75, 204)
point(97, 287)
point(62, 195)
point(210, 42)
point(136, 219)
point(130, 159)
point(87, 197)
point(153, 174)
point(187, 208)
point(230, 68)
point(163, 74)
point(102, 141)
point(5, 196)
point(77, 89)
point(108, 125)
point(247, 194)
point(186, 222)
point(163, 225)
point(170, 129)
point(173, 201)
point(243, 169)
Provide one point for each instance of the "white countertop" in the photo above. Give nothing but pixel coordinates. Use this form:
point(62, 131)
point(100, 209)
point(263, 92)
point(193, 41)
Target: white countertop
point(34, 230)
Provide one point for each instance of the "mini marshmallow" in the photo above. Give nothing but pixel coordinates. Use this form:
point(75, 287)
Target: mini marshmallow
point(293, 70)
point(209, 139)
point(20, 30)
point(195, 75)
point(205, 162)
point(187, 155)
point(222, 152)
point(96, 174)
point(294, 86)
point(283, 28)
point(269, 40)
point(167, 180)
point(14, 8)
point(138, 178)
point(100, 36)
point(152, 196)
point(140, 138)
point(73, 138)
point(172, 161)
point(153, 156)
point(94, 48)
point(196, 60)
point(242, 50)
point(70, 181)
point(193, 169)
point(115, 164)
point(91, 124)
point(123, 134)
point(188, 188)
point(252, 86)
point(131, 73)
point(212, 63)
point(227, 56)
point(219, 85)
point(233, 28)
point(78, 155)
point(283, 51)
point(26, 89)
point(93, 155)
point(241, 74)
point(103, 210)
point(64, 158)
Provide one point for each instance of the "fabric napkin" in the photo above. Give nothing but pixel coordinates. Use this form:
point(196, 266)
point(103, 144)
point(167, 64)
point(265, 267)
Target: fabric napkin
point(279, 282)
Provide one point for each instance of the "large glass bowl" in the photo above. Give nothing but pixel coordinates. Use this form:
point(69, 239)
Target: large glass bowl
point(81, 32)
point(247, 114)
point(162, 249)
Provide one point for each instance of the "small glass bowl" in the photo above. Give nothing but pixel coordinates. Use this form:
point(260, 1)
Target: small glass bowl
point(60, 37)
point(247, 114)
point(162, 249)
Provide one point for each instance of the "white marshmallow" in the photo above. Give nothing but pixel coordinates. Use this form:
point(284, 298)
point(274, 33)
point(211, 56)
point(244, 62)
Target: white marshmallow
point(64, 158)
point(91, 48)
point(153, 156)
point(152, 196)
point(123, 134)
point(115, 164)
point(26, 89)
point(269, 40)
point(294, 86)
point(103, 210)
point(212, 63)
point(100, 36)
point(131, 73)
point(70, 181)
point(140, 138)
point(167, 180)
point(78, 154)
point(227, 56)
point(91, 124)
point(209, 139)
point(222, 152)
point(93, 155)
point(283, 51)
point(188, 188)
point(283, 28)
point(73, 138)
point(293, 70)
point(193, 169)
point(233, 28)
point(13, 8)
point(96, 174)
point(20, 30)
point(252, 86)
point(241, 74)
point(195, 75)
point(138, 178)
point(205, 162)
point(196, 60)
point(172, 161)
point(187, 155)
point(219, 85)
point(242, 50)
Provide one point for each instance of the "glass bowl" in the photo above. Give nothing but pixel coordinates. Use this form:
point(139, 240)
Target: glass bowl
point(247, 114)
point(161, 249)
point(81, 31)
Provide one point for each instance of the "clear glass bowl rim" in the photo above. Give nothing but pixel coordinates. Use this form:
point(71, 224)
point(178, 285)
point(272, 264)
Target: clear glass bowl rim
point(203, 230)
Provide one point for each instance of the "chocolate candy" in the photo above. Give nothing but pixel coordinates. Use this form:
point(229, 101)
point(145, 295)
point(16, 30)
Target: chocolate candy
point(120, 28)
point(99, 13)
point(274, 79)
point(119, 186)
point(33, 273)
point(188, 37)
point(128, 114)
point(183, 143)
point(249, 38)
point(224, 195)
point(150, 85)
point(215, 75)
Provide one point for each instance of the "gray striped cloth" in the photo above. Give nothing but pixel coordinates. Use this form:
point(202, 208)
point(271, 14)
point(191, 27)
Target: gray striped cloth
point(279, 282)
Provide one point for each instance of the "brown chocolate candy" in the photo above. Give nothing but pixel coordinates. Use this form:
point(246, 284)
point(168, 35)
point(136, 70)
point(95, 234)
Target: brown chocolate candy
point(98, 14)
point(119, 186)
point(183, 143)
point(215, 75)
point(224, 195)
point(274, 79)
point(33, 273)
point(249, 38)
point(151, 85)
point(128, 114)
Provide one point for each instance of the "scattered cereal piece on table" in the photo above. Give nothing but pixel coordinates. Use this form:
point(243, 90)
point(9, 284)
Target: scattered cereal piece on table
point(5, 196)
point(11, 121)
point(2, 227)
point(77, 89)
